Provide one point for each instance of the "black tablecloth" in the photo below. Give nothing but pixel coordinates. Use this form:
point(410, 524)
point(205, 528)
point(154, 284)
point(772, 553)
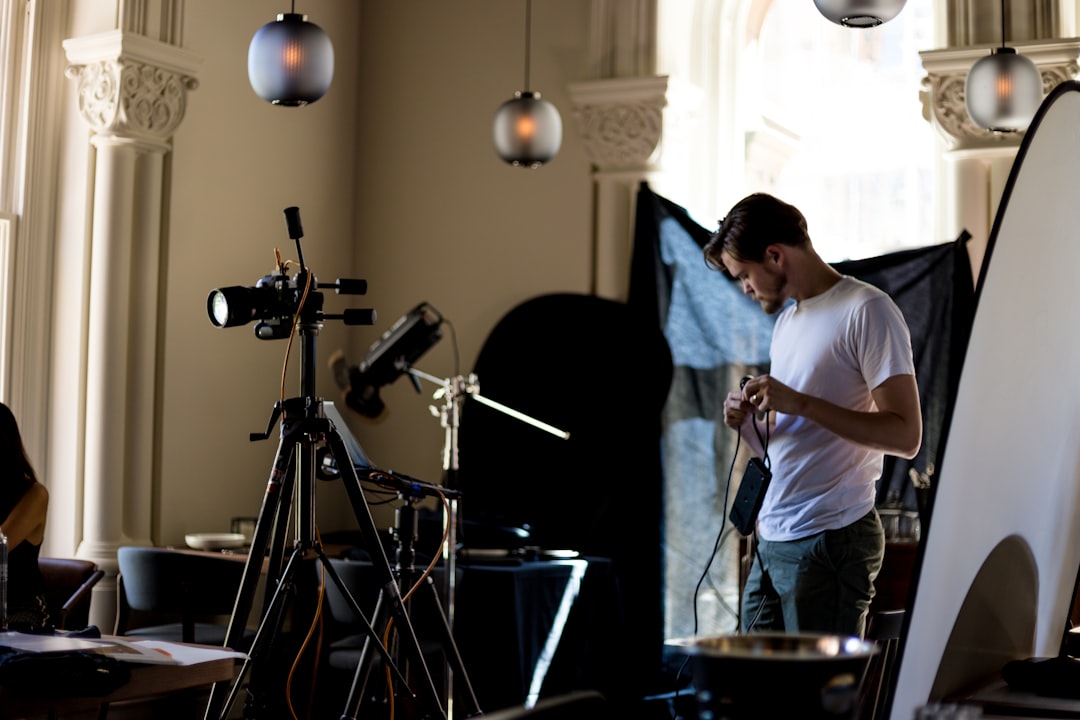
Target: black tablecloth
point(525, 628)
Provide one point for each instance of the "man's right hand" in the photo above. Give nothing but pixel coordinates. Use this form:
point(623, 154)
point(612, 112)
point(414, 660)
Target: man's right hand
point(736, 409)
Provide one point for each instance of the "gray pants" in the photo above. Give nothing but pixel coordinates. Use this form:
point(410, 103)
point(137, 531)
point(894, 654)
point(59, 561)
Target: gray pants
point(821, 583)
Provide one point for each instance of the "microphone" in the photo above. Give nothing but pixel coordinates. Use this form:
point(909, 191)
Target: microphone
point(745, 379)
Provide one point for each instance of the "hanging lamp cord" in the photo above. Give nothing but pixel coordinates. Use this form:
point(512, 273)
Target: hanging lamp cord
point(528, 19)
point(1002, 23)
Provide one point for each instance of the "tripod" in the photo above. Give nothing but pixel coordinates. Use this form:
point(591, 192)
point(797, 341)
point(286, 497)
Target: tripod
point(406, 532)
point(303, 427)
point(291, 488)
point(452, 392)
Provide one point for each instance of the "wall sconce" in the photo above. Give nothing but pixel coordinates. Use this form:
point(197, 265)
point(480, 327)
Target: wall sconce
point(1004, 89)
point(528, 129)
point(859, 13)
point(290, 61)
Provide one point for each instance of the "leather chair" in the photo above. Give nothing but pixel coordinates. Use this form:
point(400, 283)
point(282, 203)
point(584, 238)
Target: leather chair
point(69, 583)
point(176, 595)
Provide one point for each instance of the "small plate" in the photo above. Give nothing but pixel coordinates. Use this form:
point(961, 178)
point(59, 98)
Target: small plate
point(215, 541)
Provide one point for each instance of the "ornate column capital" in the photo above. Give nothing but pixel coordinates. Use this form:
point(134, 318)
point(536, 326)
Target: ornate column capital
point(620, 119)
point(130, 86)
point(943, 88)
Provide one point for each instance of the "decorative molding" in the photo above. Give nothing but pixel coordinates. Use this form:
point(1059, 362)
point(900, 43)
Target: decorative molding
point(131, 86)
point(942, 90)
point(620, 120)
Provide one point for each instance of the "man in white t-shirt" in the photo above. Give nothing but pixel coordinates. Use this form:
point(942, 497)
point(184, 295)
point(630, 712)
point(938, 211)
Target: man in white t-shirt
point(839, 395)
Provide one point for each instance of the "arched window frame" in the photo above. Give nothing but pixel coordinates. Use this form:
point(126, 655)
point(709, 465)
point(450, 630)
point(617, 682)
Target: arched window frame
point(712, 46)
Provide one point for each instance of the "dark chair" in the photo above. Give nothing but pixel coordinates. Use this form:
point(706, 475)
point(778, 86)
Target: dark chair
point(177, 595)
point(345, 632)
point(69, 583)
point(885, 630)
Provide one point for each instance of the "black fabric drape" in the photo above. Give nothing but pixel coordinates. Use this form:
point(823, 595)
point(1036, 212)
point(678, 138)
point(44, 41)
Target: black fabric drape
point(716, 335)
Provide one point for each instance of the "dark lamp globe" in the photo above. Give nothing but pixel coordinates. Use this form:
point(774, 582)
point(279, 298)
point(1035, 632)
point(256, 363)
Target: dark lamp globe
point(290, 61)
point(1003, 91)
point(528, 130)
point(859, 13)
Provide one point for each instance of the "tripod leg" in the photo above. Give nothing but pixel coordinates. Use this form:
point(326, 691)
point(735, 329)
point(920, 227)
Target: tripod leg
point(369, 629)
point(457, 667)
point(362, 674)
point(271, 620)
point(411, 580)
point(278, 491)
point(387, 581)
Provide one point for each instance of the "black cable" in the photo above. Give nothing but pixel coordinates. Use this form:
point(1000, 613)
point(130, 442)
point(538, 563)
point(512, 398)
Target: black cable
point(712, 556)
point(764, 441)
point(720, 538)
point(761, 564)
point(755, 540)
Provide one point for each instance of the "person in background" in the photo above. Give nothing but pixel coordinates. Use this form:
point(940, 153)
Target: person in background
point(24, 504)
point(839, 395)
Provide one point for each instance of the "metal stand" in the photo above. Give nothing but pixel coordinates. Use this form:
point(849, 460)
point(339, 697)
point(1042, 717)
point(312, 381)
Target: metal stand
point(411, 580)
point(303, 427)
point(453, 392)
point(282, 305)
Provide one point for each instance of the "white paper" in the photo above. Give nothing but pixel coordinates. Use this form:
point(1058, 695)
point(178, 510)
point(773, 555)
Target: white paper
point(155, 652)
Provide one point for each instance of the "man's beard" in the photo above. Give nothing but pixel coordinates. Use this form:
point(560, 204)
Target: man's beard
point(775, 301)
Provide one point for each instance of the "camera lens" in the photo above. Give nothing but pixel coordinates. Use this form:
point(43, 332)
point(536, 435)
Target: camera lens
point(218, 307)
point(231, 306)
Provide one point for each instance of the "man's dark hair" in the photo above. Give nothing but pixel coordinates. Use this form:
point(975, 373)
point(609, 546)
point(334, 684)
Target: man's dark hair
point(756, 221)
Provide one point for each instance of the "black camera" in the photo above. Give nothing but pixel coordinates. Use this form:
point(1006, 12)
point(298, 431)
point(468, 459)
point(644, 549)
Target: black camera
point(276, 300)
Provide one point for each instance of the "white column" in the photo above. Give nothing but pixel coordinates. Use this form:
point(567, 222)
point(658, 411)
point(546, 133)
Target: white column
point(978, 162)
point(621, 122)
point(132, 91)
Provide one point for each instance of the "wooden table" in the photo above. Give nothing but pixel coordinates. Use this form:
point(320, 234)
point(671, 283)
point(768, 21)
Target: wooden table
point(147, 682)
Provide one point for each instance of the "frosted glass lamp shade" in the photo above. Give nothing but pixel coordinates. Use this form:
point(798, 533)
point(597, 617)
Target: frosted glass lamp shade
point(528, 130)
point(859, 13)
point(290, 61)
point(1003, 91)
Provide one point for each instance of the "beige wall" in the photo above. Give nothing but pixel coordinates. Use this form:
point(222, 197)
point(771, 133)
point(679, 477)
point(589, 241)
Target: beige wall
point(439, 217)
point(397, 183)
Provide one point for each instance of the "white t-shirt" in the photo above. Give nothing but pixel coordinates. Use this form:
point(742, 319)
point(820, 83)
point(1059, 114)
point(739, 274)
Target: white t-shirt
point(838, 346)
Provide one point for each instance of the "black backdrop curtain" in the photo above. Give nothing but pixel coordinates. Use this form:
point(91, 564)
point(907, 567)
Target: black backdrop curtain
point(717, 335)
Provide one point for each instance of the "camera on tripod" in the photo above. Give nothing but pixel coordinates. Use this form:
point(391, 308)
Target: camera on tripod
point(277, 299)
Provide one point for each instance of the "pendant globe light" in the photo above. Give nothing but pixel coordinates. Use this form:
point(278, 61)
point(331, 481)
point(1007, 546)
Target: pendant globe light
point(859, 13)
point(528, 129)
point(290, 61)
point(1004, 89)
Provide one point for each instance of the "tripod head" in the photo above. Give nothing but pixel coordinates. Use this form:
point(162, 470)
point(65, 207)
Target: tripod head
point(278, 301)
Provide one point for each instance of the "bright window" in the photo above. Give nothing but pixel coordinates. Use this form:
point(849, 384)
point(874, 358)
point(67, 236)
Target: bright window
point(836, 127)
point(11, 15)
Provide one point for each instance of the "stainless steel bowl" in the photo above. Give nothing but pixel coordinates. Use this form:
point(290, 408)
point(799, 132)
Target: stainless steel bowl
point(780, 675)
